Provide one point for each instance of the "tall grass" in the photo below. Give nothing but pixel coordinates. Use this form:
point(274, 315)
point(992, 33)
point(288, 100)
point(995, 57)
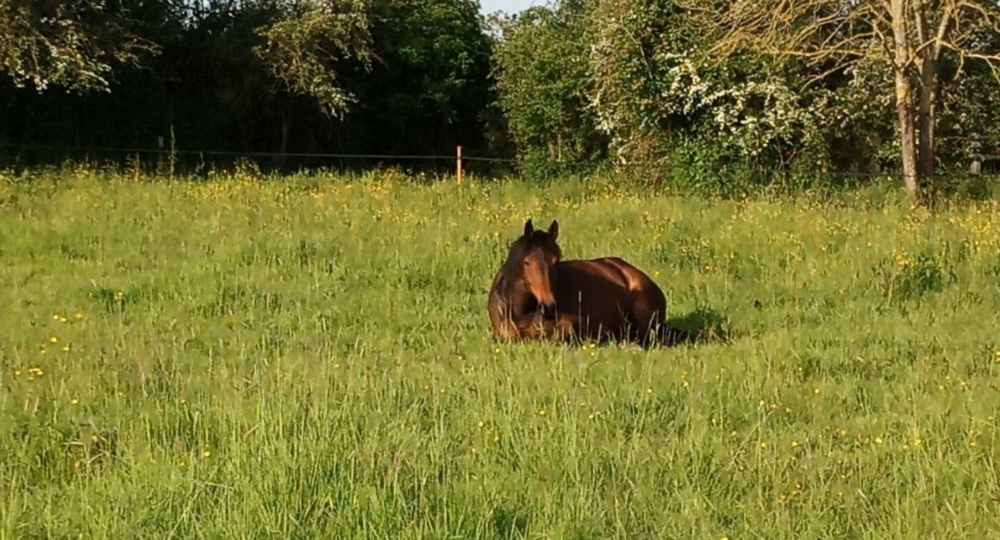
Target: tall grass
point(309, 357)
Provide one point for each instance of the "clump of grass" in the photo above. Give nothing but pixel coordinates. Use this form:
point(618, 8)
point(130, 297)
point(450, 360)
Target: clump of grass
point(309, 356)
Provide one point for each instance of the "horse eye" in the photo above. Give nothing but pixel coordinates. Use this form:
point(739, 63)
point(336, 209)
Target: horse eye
point(526, 262)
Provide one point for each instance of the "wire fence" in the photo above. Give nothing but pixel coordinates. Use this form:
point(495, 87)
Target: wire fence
point(183, 160)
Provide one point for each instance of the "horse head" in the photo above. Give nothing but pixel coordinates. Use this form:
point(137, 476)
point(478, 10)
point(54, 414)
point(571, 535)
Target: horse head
point(532, 261)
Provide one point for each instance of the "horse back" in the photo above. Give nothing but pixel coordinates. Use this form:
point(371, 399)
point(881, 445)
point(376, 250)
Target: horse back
point(636, 279)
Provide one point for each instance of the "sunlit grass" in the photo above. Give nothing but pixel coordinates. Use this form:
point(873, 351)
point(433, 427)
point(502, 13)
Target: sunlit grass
point(309, 357)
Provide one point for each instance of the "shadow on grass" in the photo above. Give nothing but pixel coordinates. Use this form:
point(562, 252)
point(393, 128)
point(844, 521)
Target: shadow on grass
point(701, 326)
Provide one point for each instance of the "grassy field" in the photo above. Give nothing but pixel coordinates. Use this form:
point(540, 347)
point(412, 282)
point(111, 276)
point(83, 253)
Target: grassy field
point(309, 357)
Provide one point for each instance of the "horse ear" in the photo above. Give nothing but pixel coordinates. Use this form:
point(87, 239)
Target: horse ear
point(554, 229)
point(528, 228)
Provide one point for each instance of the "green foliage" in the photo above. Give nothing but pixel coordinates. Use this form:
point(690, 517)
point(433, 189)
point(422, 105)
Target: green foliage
point(662, 100)
point(569, 86)
point(668, 104)
point(903, 277)
point(543, 80)
point(436, 50)
point(75, 44)
point(309, 357)
point(635, 41)
point(969, 117)
point(429, 86)
point(394, 76)
point(303, 45)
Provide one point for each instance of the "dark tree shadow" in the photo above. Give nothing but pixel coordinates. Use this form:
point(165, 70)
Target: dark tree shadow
point(703, 325)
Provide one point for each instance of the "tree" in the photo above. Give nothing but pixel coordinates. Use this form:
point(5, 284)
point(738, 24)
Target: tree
point(691, 120)
point(72, 43)
point(543, 83)
point(429, 82)
point(912, 37)
point(302, 47)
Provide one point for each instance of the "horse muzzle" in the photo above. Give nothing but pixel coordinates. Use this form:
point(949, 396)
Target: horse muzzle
point(548, 311)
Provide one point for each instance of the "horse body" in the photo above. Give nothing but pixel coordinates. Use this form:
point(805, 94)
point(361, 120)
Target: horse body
point(607, 298)
point(537, 296)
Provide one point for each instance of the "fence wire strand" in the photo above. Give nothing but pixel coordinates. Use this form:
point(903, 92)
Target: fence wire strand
point(428, 158)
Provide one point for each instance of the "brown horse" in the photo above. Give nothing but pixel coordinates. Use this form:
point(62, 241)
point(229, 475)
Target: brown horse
point(536, 295)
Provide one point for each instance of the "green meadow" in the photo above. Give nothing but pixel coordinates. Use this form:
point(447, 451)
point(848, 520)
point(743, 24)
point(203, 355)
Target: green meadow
point(247, 356)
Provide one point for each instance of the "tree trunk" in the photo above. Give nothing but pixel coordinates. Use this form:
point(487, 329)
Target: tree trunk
point(926, 117)
point(907, 135)
point(904, 100)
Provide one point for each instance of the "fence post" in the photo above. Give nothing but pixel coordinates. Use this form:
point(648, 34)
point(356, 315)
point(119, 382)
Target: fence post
point(458, 164)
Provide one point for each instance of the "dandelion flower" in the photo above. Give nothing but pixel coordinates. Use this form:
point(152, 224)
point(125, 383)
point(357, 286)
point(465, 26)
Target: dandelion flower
point(74, 401)
point(206, 454)
point(78, 316)
point(53, 339)
point(480, 423)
